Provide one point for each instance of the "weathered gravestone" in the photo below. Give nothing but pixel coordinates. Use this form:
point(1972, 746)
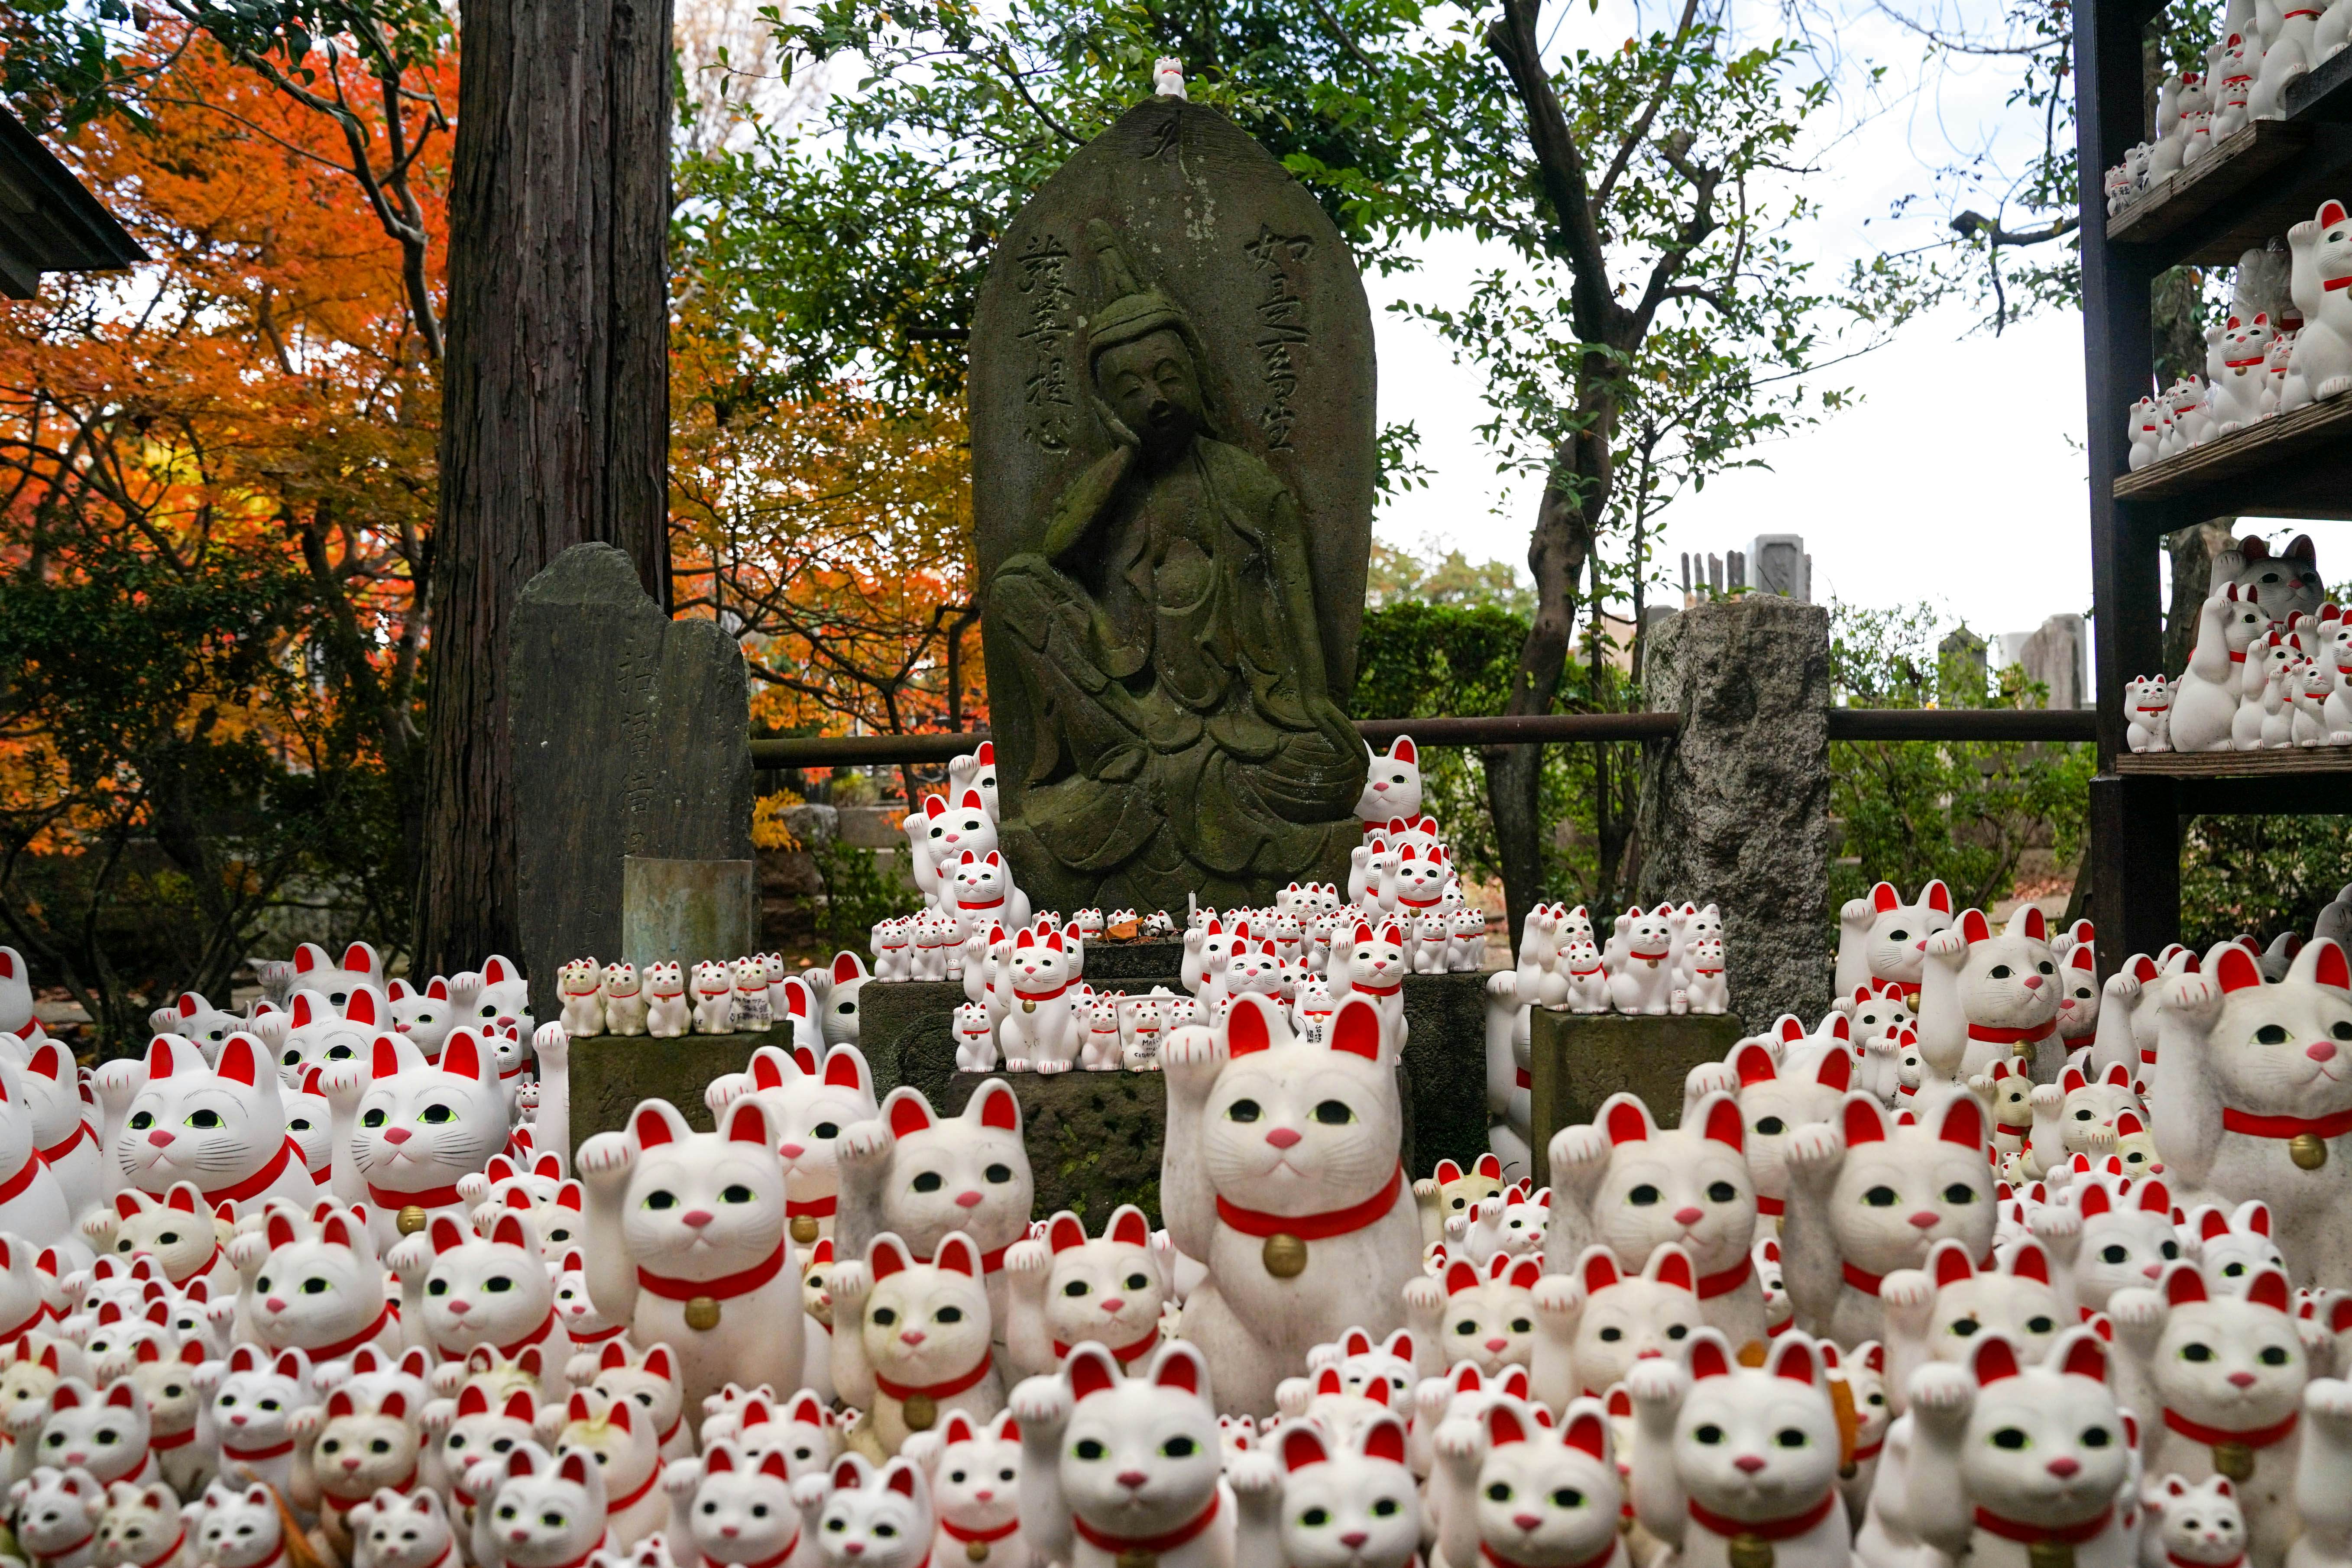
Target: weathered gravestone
point(1173, 453)
point(1735, 808)
point(632, 736)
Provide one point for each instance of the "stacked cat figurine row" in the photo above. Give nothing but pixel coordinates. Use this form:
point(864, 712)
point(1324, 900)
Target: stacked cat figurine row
point(2272, 355)
point(2270, 669)
point(744, 995)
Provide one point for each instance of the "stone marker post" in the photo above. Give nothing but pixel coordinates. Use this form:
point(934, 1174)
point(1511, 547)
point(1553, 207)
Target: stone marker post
point(1736, 807)
point(632, 736)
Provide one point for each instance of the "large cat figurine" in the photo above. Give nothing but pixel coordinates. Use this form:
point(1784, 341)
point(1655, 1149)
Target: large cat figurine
point(1067, 1288)
point(1631, 1186)
point(316, 1287)
point(1868, 1196)
point(1881, 938)
point(912, 1340)
point(1988, 997)
point(1112, 1466)
point(1281, 1173)
point(2322, 252)
point(687, 1244)
point(919, 1175)
point(2252, 1098)
point(407, 1129)
point(2205, 702)
point(222, 1127)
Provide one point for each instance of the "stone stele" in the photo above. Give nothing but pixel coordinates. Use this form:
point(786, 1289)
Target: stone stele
point(632, 736)
point(1173, 453)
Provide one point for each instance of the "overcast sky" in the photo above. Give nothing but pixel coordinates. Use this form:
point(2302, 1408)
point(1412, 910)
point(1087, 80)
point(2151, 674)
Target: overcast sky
point(1959, 478)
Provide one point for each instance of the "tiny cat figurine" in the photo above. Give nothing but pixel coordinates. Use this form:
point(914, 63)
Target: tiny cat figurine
point(2195, 1526)
point(669, 1015)
point(537, 1512)
point(427, 1017)
point(919, 1176)
point(1642, 979)
point(750, 1014)
point(236, 1530)
point(55, 1514)
point(1509, 1487)
point(1725, 1453)
point(2014, 1457)
point(1067, 1288)
point(1843, 1235)
point(975, 1475)
point(2228, 1374)
point(980, 891)
point(1317, 1501)
point(714, 999)
point(397, 1530)
point(1299, 1211)
point(739, 1511)
point(1087, 1431)
point(580, 986)
point(1450, 1191)
point(687, 1244)
point(866, 1518)
point(625, 1000)
point(142, 1528)
point(2147, 710)
point(912, 1340)
point(1629, 1184)
point(1881, 938)
point(2235, 397)
point(1040, 1024)
point(1595, 1320)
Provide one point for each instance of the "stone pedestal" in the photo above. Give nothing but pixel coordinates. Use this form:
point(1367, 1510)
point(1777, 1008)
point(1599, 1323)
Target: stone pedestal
point(1577, 1060)
point(1735, 808)
point(684, 912)
point(610, 1073)
point(632, 736)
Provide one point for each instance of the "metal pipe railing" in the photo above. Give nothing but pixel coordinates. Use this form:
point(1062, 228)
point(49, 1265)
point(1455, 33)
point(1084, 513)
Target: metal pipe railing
point(2061, 724)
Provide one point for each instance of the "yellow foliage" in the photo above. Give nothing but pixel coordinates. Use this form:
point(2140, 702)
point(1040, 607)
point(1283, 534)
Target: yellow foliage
point(768, 829)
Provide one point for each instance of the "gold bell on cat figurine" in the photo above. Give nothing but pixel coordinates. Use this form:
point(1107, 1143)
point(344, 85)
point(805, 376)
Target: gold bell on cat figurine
point(1747, 1550)
point(411, 1219)
point(1136, 1557)
point(921, 1411)
point(1285, 1256)
point(804, 1229)
point(975, 1551)
point(702, 1315)
point(2307, 1150)
point(2234, 1460)
point(2049, 1553)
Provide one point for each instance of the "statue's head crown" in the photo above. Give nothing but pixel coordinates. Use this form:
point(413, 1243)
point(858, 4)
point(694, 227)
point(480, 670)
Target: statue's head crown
point(1131, 309)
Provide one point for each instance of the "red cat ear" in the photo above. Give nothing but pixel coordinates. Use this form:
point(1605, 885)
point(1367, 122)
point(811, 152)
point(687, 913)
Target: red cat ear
point(572, 1468)
point(907, 1112)
point(2086, 1357)
point(2093, 1200)
point(719, 1458)
point(884, 1257)
point(2269, 1290)
point(339, 1404)
point(1128, 1227)
point(1974, 927)
point(280, 1229)
point(958, 1255)
point(1863, 1121)
point(1995, 1359)
point(1401, 750)
point(845, 1470)
point(1181, 1366)
point(747, 1122)
point(1753, 1063)
point(1791, 1028)
point(1091, 1372)
point(1884, 897)
point(472, 1401)
point(1723, 1123)
point(2029, 1263)
point(2331, 214)
point(2327, 965)
point(1963, 1122)
point(444, 1234)
point(1461, 1275)
point(1356, 1029)
point(1503, 1427)
point(1671, 1266)
point(1586, 1432)
point(998, 1108)
point(2236, 969)
point(238, 1062)
point(898, 1475)
point(464, 1056)
point(1247, 1029)
point(1793, 1359)
point(1302, 1446)
point(1600, 1269)
point(1708, 1356)
point(1382, 1438)
point(652, 1128)
point(1064, 1232)
point(522, 1406)
point(2183, 1286)
point(2036, 927)
point(1949, 1264)
point(1626, 1119)
point(660, 1364)
point(1836, 1070)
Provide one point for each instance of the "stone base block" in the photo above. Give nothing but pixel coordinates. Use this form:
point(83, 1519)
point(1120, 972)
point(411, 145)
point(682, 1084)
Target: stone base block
point(610, 1073)
point(1577, 1060)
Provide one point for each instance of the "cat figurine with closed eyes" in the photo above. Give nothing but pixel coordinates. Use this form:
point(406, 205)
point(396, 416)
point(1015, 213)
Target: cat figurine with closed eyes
point(1310, 1499)
point(2228, 1375)
point(1869, 1195)
point(2252, 1096)
point(975, 1475)
point(1067, 1289)
point(919, 1175)
point(1723, 1451)
point(222, 1127)
point(688, 1245)
point(1631, 1186)
point(2015, 1454)
point(910, 1340)
point(408, 1128)
point(1281, 1173)
point(1111, 1465)
point(863, 1518)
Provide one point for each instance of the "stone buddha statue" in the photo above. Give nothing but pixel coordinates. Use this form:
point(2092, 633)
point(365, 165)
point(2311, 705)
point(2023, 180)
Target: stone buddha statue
point(1164, 629)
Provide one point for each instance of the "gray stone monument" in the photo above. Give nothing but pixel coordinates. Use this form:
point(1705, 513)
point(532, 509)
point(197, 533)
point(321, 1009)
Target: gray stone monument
point(2052, 655)
point(1173, 455)
point(1777, 563)
point(1735, 808)
point(632, 736)
point(1960, 669)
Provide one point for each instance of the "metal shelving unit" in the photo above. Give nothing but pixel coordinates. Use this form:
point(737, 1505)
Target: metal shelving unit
point(2255, 184)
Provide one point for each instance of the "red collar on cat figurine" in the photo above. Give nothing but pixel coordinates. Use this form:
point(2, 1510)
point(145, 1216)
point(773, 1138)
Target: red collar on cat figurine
point(957, 1533)
point(1767, 1528)
point(725, 1287)
point(23, 1178)
point(1168, 1541)
point(2214, 1437)
point(1993, 1037)
point(1726, 1281)
point(1124, 1354)
point(1313, 1226)
point(2246, 1121)
point(345, 1346)
point(1493, 1559)
point(259, 1182)
point(791, 1546)
point(903, 1391)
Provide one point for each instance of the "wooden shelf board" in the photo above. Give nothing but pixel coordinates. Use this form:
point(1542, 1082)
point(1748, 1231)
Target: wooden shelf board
point(2323, 94)
point(2300, 761)
point(2241, 469)
point(2243, 162)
